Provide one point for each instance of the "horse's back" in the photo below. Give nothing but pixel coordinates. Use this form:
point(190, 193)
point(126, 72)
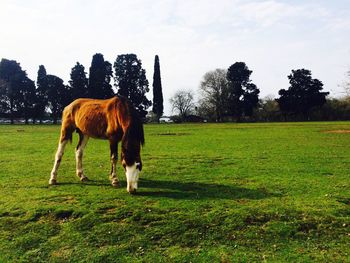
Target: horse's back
point(90, 116)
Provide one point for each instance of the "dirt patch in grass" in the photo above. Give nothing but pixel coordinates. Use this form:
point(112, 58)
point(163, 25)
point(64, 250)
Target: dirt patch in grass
point(67, 199)
point(338, 131)
point(59, 215)
point(63, 253)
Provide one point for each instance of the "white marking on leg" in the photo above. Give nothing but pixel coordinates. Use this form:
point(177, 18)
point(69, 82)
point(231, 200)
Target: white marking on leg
point(79, 158)
point(114, 178)
point(132, 177)
point(58, 158)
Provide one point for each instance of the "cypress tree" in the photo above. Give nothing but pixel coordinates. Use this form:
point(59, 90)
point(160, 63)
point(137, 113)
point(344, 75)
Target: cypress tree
point(157, 90)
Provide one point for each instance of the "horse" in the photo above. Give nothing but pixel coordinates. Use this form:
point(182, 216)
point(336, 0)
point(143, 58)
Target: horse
point(113, 119)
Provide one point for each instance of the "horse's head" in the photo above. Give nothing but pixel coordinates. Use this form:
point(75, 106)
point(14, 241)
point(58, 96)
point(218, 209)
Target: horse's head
point(132, 141)
point(132, 175)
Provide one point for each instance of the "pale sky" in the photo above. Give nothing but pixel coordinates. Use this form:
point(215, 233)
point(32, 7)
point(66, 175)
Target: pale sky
point(191, 37)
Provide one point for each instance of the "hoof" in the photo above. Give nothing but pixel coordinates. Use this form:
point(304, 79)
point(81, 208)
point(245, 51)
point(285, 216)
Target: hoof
point(115, 183)
point(52, 182)
point(84, 179)
point(133, 192)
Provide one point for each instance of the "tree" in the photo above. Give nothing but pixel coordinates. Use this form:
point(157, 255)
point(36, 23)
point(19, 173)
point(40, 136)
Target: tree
point(78, 82)
point(41, 94)
point(130, 79)
point(336, 109)
point(99, 86)
point(182, 102)
point(13, 81)
point(268, 110)
point(58, 96)
point(303, 94)
point(28, 100)
point(157, 90)
point(243, 95)
point(250, 99)
point(4, 107)
point(214, 91)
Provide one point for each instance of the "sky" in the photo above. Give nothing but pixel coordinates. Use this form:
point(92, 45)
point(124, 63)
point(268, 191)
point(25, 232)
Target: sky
point(191, 37)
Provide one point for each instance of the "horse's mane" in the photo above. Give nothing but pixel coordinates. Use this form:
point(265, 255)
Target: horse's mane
point(135, 129)
point(133, 136)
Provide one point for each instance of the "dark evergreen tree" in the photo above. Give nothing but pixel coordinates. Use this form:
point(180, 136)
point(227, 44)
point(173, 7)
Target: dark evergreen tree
point(130, 79)
point(78, 82)
point(41, 94)
point(28, 100)
point(99, 86)
point(303, 94)
point(243, 95)
point(107, 87)
point(157, 90)
point(59, 96)
point(66, 96)
point(250, 99)
point(4, 103)
point(13, 80)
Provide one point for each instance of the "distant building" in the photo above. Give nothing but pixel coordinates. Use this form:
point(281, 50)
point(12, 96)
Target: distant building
point(165, 119)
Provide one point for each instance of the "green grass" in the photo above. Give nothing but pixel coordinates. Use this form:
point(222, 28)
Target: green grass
point(208, 193)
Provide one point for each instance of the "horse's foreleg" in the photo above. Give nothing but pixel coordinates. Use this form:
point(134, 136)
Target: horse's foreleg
point(58, 159)
point(83, 139)
point(114, 159)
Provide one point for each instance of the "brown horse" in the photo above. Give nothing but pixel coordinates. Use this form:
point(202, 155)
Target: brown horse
point(113, 119)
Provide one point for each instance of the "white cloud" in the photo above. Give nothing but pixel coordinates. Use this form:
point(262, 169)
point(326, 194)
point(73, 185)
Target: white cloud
point(190, 36)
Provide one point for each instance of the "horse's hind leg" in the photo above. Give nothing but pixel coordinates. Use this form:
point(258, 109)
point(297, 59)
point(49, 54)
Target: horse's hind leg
point(83, 139)
point(66, 135)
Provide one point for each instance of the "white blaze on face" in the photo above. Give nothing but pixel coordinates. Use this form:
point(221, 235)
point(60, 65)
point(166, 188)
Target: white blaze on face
point(132, 177)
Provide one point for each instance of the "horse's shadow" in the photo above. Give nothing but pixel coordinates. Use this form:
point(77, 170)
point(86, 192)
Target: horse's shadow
point(195, 190)
point(189, 190)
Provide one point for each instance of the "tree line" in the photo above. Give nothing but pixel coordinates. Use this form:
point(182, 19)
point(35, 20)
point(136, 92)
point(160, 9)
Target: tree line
point(224, 94)
point(21, 97)
point(230, 95)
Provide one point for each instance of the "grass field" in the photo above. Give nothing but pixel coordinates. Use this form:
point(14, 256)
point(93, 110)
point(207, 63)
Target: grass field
point(208, 193)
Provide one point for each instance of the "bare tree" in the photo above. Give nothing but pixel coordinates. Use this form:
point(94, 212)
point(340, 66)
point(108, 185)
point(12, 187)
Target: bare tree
point(214, 91)
point(183, 103)
point(268, 109)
